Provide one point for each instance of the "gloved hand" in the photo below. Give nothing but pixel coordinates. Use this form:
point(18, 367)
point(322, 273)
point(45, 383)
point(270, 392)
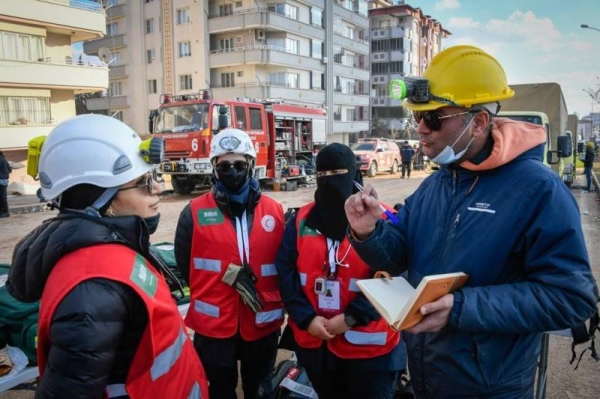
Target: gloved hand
point(242, 280)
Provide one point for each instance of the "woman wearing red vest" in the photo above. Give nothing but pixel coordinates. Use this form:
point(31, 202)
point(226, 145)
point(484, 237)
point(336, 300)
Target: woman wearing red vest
point(108, 326)
point(347, 349)
point(225, 245)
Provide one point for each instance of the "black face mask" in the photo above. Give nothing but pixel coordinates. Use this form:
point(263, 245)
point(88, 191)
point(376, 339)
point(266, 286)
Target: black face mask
point(233, 180)
point(152, 223)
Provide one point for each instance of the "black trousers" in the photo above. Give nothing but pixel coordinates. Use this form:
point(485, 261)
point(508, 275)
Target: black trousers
point(3, 199)
point(406, 167)
point(219, 358)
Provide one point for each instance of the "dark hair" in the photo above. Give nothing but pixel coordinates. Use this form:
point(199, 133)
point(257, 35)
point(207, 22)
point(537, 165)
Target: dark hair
point(83, 196)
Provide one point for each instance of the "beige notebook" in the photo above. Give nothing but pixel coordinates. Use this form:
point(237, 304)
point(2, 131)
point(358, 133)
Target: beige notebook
point(399, 303)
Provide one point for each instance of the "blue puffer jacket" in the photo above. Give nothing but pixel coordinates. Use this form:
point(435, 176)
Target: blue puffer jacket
point(513, 226)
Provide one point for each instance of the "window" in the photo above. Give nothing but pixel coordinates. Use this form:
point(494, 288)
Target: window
point(255, 119)
point(114, 89)
point(21, 47)
point(293, 80)
point(185, 82)
point(286, 10)
point(225, 9)
point(24, 110)
point(116, 59)
point(316, 17)
point(111, 3)
point(316, 49)
point(349, 32)
point(112, 29)
point(350, 115)
point(226, 44)
point(185, 49)
point(118, 115)
point(240, 117)
point(238, 4)
point(227, 79)
point(239, 39)
point(291, 46)
point(183, 16)
point(240, 74)
point(337, 112)
point(149, 1)
point(349, 60)
point(150, 56)
point(152, 87)
point(150, 25)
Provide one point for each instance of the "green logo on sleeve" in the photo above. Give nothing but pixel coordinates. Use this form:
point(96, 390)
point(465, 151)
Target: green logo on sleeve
point(209, 216)
point(305, 230)
point(143, 277)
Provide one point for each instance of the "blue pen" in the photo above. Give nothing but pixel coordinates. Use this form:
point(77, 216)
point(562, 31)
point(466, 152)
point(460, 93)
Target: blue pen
point(390, 215)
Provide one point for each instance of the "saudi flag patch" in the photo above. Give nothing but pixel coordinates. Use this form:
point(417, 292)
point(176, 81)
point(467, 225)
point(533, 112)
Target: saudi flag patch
point(143, 277)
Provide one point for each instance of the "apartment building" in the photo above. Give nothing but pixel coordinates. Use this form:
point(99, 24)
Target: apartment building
point(403, 42)
point(38, 77)
point(309, 52)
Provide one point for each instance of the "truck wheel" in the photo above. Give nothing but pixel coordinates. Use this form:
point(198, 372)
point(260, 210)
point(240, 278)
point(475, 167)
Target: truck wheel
point(394, 169)
point(372, 172)
point(183, 187)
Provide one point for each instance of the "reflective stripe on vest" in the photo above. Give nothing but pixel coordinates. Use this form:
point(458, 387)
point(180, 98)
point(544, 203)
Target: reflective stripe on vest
point(206, 308)
point(195, 393)
point(268, 270)
point(211, 265)
point(365, 338)
point(352, 285)
point(302, 279)
point(265, 317)
point(115, 390)
point(165, 360)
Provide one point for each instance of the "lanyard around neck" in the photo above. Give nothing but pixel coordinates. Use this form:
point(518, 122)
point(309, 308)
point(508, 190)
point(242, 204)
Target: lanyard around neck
point(241, 230)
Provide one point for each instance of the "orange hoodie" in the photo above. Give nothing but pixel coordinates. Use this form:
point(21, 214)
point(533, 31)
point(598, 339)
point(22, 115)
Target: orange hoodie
point(511, 139)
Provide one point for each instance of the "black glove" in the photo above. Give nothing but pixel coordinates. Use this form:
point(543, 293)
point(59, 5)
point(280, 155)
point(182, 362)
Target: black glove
point(242, 280)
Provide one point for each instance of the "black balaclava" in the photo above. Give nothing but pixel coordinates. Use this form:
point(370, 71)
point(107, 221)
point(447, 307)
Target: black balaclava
point(328, 215)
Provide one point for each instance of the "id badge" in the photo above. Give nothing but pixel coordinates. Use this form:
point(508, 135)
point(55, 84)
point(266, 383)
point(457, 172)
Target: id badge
point(320, 286)
point(330, 299)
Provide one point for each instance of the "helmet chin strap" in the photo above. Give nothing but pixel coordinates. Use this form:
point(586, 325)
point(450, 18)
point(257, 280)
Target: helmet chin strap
point(101, 201)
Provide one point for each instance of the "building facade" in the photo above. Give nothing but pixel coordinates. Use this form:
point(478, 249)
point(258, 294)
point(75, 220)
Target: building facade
point(38, 76)
point(403, 41)
point(311, 52)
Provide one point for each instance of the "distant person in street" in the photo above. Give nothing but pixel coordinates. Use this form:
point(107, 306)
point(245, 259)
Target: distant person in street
point(5, 171)
point(493, 211)
point(407, 153)
point(345, 346)
point(225, 246)
point(108, 325)
point(588, 165)
point(417, 158)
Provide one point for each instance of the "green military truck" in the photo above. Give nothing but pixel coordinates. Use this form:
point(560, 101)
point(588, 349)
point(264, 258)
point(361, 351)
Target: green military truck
point(544, 104)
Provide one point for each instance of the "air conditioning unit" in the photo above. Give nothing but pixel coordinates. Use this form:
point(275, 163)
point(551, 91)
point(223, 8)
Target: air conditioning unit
point(324, 60)
point(261, 34)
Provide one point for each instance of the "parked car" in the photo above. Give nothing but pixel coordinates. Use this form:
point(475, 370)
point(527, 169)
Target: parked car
point(376, 155)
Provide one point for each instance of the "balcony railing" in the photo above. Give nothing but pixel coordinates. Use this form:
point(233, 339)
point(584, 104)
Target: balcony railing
point(89, 5)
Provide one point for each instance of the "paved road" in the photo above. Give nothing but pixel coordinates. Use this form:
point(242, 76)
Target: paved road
point(563, 381)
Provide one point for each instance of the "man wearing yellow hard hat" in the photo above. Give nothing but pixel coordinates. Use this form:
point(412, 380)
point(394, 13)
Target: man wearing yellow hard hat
point(494, 212)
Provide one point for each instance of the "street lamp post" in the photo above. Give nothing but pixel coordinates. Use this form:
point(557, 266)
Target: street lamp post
point(585, 26)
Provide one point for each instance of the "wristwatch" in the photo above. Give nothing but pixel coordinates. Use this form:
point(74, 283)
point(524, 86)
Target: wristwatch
point(350, 320)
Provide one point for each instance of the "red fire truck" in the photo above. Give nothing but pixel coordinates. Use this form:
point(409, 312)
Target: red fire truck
point(284, 136)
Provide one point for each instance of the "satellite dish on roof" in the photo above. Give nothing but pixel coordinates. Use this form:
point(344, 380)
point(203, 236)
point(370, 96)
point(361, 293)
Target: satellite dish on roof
point(104, 54)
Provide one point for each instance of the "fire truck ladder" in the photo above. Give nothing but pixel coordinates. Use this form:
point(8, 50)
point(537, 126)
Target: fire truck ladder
point(168, 50)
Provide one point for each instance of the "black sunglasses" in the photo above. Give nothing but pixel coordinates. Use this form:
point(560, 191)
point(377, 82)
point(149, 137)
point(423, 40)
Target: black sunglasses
point(146, 182)
point(225, 167)
point(433, 120)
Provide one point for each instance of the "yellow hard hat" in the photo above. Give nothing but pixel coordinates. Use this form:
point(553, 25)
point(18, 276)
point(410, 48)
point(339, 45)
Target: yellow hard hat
point(463, 76)
point(590, 144)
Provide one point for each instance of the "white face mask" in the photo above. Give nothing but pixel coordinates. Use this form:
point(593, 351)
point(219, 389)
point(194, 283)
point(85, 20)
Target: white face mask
point(447, 156)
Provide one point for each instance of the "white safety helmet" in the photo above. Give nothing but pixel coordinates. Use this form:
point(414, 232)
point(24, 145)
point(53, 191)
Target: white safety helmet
point(92, 149)
point(231, 140)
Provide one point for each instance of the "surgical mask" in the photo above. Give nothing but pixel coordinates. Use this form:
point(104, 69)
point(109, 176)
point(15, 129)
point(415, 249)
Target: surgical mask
point(447, 156)
point(152, 223)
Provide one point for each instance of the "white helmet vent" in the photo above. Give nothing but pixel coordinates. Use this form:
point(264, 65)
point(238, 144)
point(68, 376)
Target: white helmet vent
point(121, 165)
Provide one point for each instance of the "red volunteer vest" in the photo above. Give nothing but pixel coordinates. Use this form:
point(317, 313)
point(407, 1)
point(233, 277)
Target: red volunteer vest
point(165, 364)
point(216, 309)
point(374, 339)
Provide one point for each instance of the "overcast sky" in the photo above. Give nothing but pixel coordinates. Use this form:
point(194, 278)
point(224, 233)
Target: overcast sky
point(535, 40)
